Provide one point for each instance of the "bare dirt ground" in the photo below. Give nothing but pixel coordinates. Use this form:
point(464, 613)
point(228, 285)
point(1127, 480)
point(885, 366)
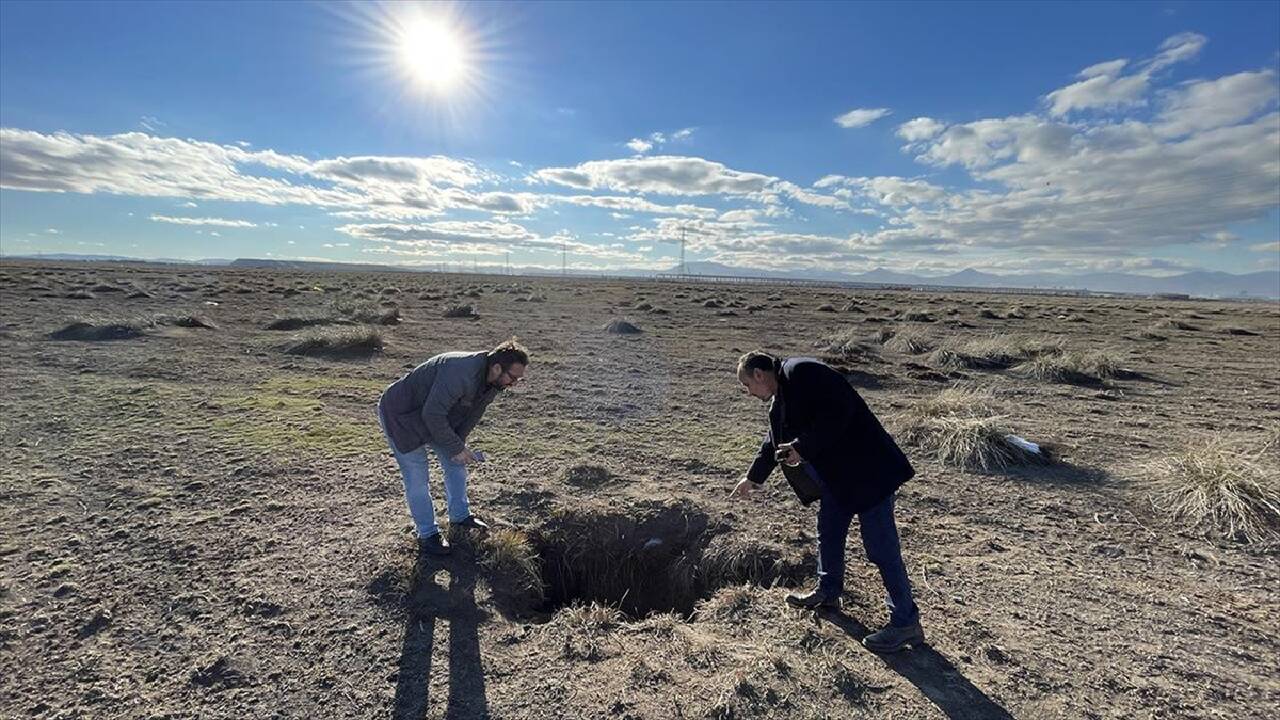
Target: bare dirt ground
point(194, 523)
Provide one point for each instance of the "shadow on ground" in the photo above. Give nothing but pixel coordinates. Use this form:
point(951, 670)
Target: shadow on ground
point(935, 676)
point(426, 604)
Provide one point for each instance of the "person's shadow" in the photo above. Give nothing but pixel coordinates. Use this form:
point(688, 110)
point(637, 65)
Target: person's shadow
point(932, 673)
point(426, 603)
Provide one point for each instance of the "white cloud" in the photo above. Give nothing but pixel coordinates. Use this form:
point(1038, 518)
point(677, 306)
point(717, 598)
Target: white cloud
point(1222, 238)
point(984, 142)
point(747, 217)
point(220, 222)
point(52, 231)
point(861, 117)
point(1178, 48)
point(639, 146)
point(1103, 87)
point(416, 171)
point(1110, 68)
point(1099, 91)
point(1208, 104)
point(140, 165)
point(921, 128)
point(1268, 247)
point(663, 174)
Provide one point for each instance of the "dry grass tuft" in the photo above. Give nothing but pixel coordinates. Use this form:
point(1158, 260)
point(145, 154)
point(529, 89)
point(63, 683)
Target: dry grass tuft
point(849, 344)
point(917, 315)
point(1229, 486)
point(510, 556)
point(187, 321)
point(334, 342)
point(995, 352)
point(909, 342)
point(730, 603)
point(461, 311)
point(367, 311)
point(584, 630)
point(958, 428)
point(587, 475)
point(96, 330)
point(1174, 324)
point(1072, 367)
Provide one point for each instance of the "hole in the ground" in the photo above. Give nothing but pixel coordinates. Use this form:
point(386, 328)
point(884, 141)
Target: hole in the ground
point(656, 559)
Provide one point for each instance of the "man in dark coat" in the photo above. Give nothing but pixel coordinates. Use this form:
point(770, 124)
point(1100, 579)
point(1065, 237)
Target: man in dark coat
point(435, 407)
point(818, 422)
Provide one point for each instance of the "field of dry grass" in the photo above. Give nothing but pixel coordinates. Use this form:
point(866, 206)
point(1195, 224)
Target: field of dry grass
point(199, 518)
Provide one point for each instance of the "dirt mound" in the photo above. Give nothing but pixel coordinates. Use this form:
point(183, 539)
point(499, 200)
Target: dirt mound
point(96, 330)
point(622, 327)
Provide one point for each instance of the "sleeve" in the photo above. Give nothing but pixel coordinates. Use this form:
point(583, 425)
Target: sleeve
point(446, 391)
point(831, 410)
point(474, 416)
point(766, 460)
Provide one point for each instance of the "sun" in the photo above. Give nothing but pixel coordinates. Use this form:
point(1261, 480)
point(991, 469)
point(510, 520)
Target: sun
point(432, 53)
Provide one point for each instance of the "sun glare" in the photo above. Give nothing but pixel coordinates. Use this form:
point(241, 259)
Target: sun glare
point(432, 53)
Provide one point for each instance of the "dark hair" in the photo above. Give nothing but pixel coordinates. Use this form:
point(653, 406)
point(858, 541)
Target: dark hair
point(508, 353)
point(757, 360)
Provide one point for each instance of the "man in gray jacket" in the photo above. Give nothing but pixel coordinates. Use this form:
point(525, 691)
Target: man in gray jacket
point(436, 406)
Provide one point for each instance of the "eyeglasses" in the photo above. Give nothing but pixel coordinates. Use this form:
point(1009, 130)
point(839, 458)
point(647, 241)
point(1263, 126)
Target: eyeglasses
point(514, 378)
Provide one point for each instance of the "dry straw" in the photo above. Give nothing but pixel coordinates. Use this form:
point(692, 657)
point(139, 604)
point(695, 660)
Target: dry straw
point(1228, 486)
point(958, 428)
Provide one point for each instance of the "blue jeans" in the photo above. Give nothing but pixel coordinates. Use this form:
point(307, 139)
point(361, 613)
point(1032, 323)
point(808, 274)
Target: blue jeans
point(413, 469)
point(879, 539)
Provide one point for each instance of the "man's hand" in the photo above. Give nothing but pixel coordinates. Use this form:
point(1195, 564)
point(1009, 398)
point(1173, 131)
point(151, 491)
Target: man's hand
point(466, 457)
point(743, 488)
point(787, 454)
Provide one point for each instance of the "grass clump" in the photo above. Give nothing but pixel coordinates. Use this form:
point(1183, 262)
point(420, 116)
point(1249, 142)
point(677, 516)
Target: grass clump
point(508, 554)
point(730, 603)
point(1228, 486)
point(99, 330)
point(461, 311)
point(1174, 324)
point(849, 344)
point(917, 315)
point(584, 629)
point(988, 353)
point(587, 476)
point(359, 341)
point(1079, 368)
point(908, 341)
point(958, 428)
point(187, 321)
point(297, 322)
point(366, 311)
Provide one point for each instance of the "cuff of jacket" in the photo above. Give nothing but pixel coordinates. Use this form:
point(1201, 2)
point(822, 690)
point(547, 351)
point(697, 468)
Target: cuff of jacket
point(759, 472)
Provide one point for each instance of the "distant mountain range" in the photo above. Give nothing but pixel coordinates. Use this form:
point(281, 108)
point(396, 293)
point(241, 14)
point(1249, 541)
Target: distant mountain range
point(1200, 283)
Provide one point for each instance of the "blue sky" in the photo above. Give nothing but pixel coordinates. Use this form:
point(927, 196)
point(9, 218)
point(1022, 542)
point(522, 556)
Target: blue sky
point(1008, 137)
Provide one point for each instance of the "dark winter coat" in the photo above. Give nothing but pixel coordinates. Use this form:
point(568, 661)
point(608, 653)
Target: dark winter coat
point(835, 431)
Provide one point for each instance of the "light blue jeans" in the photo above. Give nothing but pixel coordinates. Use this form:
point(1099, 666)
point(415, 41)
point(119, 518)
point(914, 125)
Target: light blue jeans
point(414, 472)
